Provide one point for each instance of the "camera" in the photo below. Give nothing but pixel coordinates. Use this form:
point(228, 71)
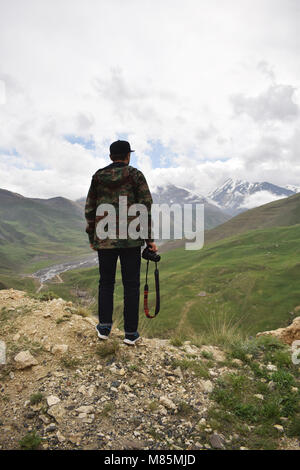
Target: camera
point(150, 255)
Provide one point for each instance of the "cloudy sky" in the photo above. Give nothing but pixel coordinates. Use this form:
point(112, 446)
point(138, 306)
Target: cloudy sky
point(203, 90)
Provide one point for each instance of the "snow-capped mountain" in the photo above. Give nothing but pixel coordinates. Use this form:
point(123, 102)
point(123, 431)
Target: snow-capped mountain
point(236, 196)
point(171, 194)
point(291, 187)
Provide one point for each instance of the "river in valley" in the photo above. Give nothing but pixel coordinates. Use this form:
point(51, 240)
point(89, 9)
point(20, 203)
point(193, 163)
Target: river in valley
point(46, 274)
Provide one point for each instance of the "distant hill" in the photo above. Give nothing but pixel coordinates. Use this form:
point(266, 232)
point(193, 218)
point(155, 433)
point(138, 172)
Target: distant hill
point(38, 229)
point(171, 194)
point(235, 196)
point(280, 213)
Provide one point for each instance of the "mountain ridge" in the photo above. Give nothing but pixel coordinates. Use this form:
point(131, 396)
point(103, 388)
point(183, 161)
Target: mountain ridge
point(235, 195)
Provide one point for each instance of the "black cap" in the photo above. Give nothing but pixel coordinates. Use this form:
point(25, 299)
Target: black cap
point(120, 147)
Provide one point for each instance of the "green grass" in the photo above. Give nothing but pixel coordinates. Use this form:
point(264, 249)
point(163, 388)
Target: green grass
point(251, 282)
point(35, 233)
point(69, 362)
point(199, 369)
point(30, 441)
point(36, 398)
point(236, 409)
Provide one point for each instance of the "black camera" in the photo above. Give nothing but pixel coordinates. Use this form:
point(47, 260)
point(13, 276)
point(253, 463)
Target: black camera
point(150, 255)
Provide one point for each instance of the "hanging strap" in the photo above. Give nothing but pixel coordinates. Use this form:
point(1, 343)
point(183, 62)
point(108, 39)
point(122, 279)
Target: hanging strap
point(146, 291)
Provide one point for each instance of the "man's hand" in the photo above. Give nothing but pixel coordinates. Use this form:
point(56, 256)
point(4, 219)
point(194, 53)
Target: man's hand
point(152, 246)
point(95, 249)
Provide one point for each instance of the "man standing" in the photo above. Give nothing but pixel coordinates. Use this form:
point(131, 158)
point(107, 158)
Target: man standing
point(108, 184)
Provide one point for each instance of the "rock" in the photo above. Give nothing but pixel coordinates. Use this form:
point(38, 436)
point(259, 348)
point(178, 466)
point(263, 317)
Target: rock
point(191, 349)
point(259, 396)
point(287, 335)
point(237, 362)
point(271, 367)
point(91, 390)
point(85, 409)
point(216, 441)
point(60, 349)
point(271, 385)
point(44, 419)
point(178, 372)
point(202, 294)
point(167, 403)
point(60, 437)
point(57, 412)
point(90, 321)
point(52, 400)
point(132, 444)
point(25, 359)
point(279, 427)
point(50, 428)
point(82, 390)
point(207, 386)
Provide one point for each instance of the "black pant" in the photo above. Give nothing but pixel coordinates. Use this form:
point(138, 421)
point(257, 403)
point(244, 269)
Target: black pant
point(130, 259)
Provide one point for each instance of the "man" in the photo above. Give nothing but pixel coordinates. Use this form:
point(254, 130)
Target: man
point(108, 184)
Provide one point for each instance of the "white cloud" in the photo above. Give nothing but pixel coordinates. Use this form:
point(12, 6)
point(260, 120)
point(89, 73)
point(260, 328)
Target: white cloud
point(258, 199)
point(276, 103)
point(155, 71)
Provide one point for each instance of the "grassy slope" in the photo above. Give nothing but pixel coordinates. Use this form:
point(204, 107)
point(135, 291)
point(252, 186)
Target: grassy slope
point(36, 232)
point(251, 281)
point(281, 213)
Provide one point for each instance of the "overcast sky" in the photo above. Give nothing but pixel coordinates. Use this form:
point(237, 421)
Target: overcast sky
point(203, 90)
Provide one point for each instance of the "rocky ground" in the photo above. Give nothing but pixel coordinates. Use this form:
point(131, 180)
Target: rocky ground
point(63, 388)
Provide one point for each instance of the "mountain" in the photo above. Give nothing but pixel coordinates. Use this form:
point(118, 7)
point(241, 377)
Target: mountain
point(236, 196)
point(291, 187)
point(280, 213)
point(38, 229)
point(172, 194)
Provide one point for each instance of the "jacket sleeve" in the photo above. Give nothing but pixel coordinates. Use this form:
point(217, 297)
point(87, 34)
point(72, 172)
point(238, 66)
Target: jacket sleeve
point(143, 196)
point(90, 210)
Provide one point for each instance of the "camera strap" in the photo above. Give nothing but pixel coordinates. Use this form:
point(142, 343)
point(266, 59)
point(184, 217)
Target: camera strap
point(146, 291)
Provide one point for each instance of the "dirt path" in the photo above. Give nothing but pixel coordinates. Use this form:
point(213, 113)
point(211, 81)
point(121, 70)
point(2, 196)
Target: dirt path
point(185, 310)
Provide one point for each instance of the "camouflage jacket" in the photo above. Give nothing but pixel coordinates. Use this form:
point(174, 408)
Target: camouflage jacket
point(116, 179)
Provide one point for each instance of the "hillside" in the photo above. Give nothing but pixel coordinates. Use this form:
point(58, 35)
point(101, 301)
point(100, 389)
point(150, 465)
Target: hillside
point(36, 231)
point(63, 389)
point(241, 285)
point(280, 213)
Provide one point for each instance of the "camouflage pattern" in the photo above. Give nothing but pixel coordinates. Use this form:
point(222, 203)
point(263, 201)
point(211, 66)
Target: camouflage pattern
point(117, 179)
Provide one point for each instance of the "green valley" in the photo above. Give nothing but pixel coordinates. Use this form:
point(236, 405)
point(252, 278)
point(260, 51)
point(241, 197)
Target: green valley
point(237, 286)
